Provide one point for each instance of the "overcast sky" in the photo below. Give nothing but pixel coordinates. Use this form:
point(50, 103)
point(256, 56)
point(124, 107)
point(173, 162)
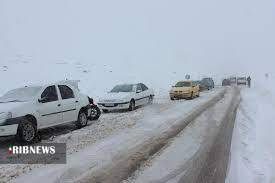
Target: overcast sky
point(217, 36)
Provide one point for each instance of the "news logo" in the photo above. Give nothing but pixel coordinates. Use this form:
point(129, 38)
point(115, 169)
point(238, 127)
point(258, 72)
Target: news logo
point(54, 153)
point(39, 149)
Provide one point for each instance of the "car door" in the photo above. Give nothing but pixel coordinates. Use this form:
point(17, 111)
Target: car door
point(68, 103)
point(139, 95)
point(49, 107)
point(146, 94)
point(194, 88)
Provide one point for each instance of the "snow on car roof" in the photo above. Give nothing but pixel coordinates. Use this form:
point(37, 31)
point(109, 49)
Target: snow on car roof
point(70, 82)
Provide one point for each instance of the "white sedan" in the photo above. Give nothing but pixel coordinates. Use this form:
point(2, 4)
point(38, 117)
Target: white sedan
point(126, 96)
point(24, 111)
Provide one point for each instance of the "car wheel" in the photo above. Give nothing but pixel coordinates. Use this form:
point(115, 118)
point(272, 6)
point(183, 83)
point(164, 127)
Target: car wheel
point(132, 105)
point(26, 132)
point(95, 113)
point(198, 94)
point(151, 98)
point(172, 98)
point(82, 119)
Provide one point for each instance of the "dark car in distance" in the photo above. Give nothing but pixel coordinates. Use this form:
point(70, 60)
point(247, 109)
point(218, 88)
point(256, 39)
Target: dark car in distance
point(226, 82)
point(198, 82)
point(207, 84)
point(233, 80)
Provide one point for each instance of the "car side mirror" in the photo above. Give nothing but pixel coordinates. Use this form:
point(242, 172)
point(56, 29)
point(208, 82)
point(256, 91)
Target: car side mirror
point(43, 100)
point(139, 91)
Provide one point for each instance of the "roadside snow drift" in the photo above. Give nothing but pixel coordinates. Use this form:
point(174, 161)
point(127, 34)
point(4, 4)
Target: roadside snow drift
point(253, 147)
point(114, 158)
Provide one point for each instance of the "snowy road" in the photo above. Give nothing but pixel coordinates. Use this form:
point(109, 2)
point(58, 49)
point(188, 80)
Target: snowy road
point(253, 147)
point(199, 149)
point(109, 125)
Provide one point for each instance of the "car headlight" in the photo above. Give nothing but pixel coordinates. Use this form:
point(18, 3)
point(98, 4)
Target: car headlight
point(5, 115)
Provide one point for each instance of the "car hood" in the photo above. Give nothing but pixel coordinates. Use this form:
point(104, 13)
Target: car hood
point(115, 96)
point(9, 106)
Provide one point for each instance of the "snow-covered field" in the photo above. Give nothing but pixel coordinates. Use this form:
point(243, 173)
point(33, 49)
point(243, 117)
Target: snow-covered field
point(96, 78)
point(253, 145)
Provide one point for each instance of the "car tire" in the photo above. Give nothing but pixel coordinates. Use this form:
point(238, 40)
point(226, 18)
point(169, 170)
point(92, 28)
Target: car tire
point(132, 105)
point(26, 132)
point(95, 113)
point(82, 119)
point(198, 94)
point(172, 98)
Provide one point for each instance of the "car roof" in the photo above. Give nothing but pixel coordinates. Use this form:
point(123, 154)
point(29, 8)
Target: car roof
point(64, 82)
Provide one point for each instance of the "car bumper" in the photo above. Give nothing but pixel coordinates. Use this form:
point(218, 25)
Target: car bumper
point(8, 130)
point(180, 95)
point(113, 106)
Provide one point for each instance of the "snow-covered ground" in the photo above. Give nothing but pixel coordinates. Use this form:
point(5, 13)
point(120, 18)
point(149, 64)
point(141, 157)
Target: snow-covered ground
point(108, 126)
point(253, 145)
point(89, 154)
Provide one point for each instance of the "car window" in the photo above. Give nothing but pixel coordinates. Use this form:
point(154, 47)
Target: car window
point(50, 94)
point(123, 88)
point(206, 81)
point(139, 88)
point(183, 84)
point(66, 92)
point(144, 88)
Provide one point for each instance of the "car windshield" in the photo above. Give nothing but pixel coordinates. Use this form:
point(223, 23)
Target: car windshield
point(122, 88)
point(20, 94)
point(183, 84)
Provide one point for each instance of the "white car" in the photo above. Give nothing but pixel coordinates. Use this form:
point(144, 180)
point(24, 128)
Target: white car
point(26, 110)
point(126, 96)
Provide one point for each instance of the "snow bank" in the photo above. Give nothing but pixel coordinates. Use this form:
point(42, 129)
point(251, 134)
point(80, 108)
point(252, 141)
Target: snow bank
point(253, 147)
